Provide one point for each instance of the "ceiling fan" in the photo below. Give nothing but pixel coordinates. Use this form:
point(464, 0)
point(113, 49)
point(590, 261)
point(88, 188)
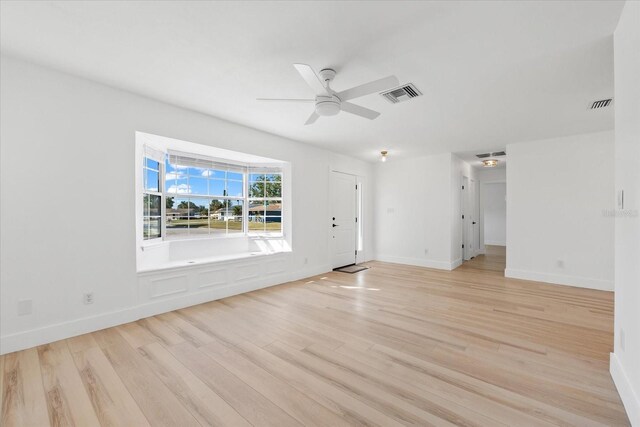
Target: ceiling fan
point(329, 102)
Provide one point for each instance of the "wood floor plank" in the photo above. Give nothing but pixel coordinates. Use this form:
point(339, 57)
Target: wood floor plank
point(253, 406)
point(156, 401)
point(23, 399)
point(350, 409)
point(110, 399)
point(67, 401)
point(81, 343)
point(307, 411)
point(375, 395)
point(186, 330)
point(158, 329)
point(205, 405)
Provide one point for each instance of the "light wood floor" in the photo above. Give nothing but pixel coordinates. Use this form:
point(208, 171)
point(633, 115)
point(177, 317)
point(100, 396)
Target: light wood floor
point(392, 345)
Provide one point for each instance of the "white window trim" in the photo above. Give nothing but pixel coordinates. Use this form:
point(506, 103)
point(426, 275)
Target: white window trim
point(246, 170)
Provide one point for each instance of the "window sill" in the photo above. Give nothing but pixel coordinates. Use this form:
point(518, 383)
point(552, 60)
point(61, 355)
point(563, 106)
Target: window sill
point(182, 264)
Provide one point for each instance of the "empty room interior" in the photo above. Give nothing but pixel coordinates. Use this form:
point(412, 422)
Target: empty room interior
point(320, 213)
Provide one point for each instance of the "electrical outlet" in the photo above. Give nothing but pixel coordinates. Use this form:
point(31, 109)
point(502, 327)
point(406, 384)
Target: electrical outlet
point(25, 307)
point(88, 298)
point(622, 339)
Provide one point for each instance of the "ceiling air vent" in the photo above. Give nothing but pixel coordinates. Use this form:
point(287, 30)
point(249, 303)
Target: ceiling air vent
point(600, 104)
point(494, 154)
point(401, 93)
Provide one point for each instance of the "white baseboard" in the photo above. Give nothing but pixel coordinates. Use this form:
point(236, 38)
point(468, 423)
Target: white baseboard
point(72, 328)
point(558, 279)
point(628, 395)
point(457, 263)
point(440, 265)
point(495, 243)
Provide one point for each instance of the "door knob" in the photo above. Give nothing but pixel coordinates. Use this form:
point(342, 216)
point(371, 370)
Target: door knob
point(473, 223)
point(334, 225)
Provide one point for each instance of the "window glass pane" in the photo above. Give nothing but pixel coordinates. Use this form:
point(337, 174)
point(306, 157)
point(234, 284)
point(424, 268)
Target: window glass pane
point(154, 205)
point(234, 221)
point(199, 216)
point(273, 216)
point(256, 177)
point(256, 215)
point(216, 187)
point(151, 227)
point(152, 164)
point(225, 216)
point(213, 173)
point(151, 180)
point(177, 219)
point(234, 188)
point(218, 216)
point(177, 186)
point(198, 186)
point(197, 172)
point(155, 227)
point(273, 224)
point(145, 228)
point(234, 175)
point(170, 202)
point(171, 167)
point(256, 189)
point(273, 189)
point(145, 205)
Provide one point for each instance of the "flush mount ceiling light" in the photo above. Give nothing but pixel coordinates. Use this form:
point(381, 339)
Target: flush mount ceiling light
point(383, 155)
point(489, 163)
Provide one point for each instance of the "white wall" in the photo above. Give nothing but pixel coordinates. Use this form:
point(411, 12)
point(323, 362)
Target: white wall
point(494, 202)
point(67, 191)
point(492, 174)
point(556, 207)
point(625, 362)
point(418, 212)
point(413, 215)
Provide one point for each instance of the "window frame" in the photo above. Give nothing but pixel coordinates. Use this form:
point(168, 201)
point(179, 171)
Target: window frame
point(266, 171)
point(246, 170)
point(158, 193)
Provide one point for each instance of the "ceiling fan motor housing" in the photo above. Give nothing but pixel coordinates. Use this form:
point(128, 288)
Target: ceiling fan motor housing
point(327, 105)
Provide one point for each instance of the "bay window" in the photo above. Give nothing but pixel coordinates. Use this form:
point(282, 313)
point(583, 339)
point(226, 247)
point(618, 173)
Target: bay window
point(206, 197)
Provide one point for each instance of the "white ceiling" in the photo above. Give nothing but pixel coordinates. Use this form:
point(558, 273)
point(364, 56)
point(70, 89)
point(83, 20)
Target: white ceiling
point(491, 72)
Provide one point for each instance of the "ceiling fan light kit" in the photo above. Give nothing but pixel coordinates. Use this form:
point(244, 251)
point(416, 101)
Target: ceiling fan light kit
point(327, 105)
point(329, 102)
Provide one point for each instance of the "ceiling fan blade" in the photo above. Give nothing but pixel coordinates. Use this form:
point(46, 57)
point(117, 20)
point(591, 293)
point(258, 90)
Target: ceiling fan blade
point(358, 110)
point(368, 88)
point(312, 118)
point(285, 100)
point(312, 79)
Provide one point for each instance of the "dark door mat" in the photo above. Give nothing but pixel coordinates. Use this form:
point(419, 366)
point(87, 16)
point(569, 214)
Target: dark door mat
point(350, 269)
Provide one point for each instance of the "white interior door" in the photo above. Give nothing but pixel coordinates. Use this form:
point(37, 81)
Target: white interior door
point(473, 219)
point(343, 219)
